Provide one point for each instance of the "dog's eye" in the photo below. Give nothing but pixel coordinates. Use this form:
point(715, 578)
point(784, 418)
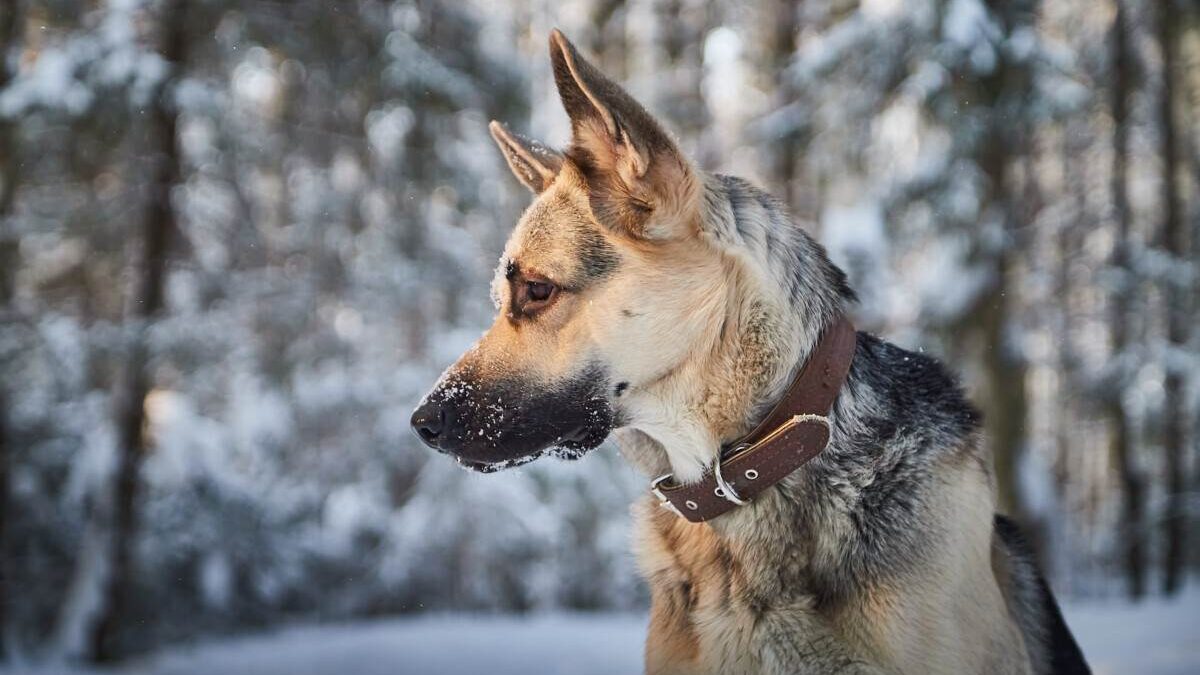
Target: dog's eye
point(531, 296)
point(538, 291)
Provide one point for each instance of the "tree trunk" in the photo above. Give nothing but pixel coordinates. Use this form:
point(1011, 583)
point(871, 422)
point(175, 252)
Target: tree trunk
point(1120, 443)
point(1003, 395)
point(992, 319)
point(10, 32)
point(785, 152)
point(1174, 242)
point(5, 590)
point(158, 224)
point(609, 41)
point(10, 37)
point(1004, 398)
point(679, 38)
point(1189, 34)
point(1067, 246)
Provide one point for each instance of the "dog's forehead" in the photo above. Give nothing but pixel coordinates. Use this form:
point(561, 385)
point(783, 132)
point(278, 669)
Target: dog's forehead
point(557, 238)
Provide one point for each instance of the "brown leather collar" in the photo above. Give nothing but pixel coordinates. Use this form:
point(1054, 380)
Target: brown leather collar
point(795, 431)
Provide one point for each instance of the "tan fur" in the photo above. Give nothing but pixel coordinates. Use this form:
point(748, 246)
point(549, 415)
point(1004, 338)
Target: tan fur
point(712, 595)
point(697, 357)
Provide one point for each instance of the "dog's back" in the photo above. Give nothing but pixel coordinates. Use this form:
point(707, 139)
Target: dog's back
point(1051, 646)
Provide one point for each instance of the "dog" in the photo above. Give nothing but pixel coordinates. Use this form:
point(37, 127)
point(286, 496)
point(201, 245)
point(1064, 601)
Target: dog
point(642, 298)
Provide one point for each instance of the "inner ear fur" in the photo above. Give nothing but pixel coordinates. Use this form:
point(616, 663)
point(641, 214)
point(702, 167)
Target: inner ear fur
point(533, 163)
point(638, 180)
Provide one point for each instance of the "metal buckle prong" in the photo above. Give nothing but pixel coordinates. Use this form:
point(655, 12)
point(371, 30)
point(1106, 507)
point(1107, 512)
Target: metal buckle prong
point(726, 490)
point(662, 498)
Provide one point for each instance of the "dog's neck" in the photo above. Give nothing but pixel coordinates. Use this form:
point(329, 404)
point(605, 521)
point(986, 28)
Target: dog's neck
point(781, 292)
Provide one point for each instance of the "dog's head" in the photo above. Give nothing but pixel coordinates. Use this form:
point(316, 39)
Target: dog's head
point(604, 286)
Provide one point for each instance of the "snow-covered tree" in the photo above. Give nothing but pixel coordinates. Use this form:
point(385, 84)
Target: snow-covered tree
point(991, 174)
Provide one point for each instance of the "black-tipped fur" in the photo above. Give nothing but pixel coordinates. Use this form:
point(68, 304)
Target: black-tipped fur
point(1041, 619)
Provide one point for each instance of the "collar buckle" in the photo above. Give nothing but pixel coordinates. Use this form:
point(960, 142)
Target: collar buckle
point(724, 489)
point(656, 490)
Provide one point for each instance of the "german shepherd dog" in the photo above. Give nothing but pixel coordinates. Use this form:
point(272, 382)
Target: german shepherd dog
point(670, 308)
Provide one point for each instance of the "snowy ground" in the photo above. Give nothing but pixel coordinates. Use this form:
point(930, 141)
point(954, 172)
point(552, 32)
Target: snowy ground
point(1154, 638)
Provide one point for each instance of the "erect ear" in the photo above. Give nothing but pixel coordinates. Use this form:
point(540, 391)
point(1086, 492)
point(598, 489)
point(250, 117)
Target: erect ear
point(638, 180)
point(534, 164)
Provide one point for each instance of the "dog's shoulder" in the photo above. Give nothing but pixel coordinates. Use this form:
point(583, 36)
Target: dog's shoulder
point(906, 410)
point(911, 389)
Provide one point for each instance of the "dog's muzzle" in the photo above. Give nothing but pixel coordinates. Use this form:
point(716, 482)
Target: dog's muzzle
point(492, 425)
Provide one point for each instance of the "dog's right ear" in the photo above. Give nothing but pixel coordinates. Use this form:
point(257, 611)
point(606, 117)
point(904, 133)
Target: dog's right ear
point(639, 182)
point(534, 164)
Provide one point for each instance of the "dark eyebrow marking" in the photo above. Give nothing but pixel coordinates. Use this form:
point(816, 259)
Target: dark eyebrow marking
point(511, 269)
point(598, 259)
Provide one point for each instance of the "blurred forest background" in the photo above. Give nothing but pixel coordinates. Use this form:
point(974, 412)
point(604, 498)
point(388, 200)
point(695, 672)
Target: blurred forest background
point(239, 238)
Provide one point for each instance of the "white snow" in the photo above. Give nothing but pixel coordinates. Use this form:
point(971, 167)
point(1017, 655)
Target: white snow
point(1155, 637)
point(965, 22)
point(56, 78)
point(553, 644)
point(856, 237)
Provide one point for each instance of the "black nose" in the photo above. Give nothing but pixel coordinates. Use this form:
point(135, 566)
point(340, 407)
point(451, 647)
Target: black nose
point(429, 421)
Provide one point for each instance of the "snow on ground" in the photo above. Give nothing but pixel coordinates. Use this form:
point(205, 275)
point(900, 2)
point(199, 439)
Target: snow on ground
point(441, 644)
point(551, 644)
point(1157, 637)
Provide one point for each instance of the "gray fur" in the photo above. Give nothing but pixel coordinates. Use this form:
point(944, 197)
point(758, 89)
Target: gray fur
point(899, 419)
point(869, 513)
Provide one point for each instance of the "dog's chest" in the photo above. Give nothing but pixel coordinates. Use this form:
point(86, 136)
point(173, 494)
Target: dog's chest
point(708, 601)
point(695, 621)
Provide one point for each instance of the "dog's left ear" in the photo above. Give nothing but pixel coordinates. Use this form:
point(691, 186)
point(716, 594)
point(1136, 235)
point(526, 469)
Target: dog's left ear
point(534, 164)
point(638, 180)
